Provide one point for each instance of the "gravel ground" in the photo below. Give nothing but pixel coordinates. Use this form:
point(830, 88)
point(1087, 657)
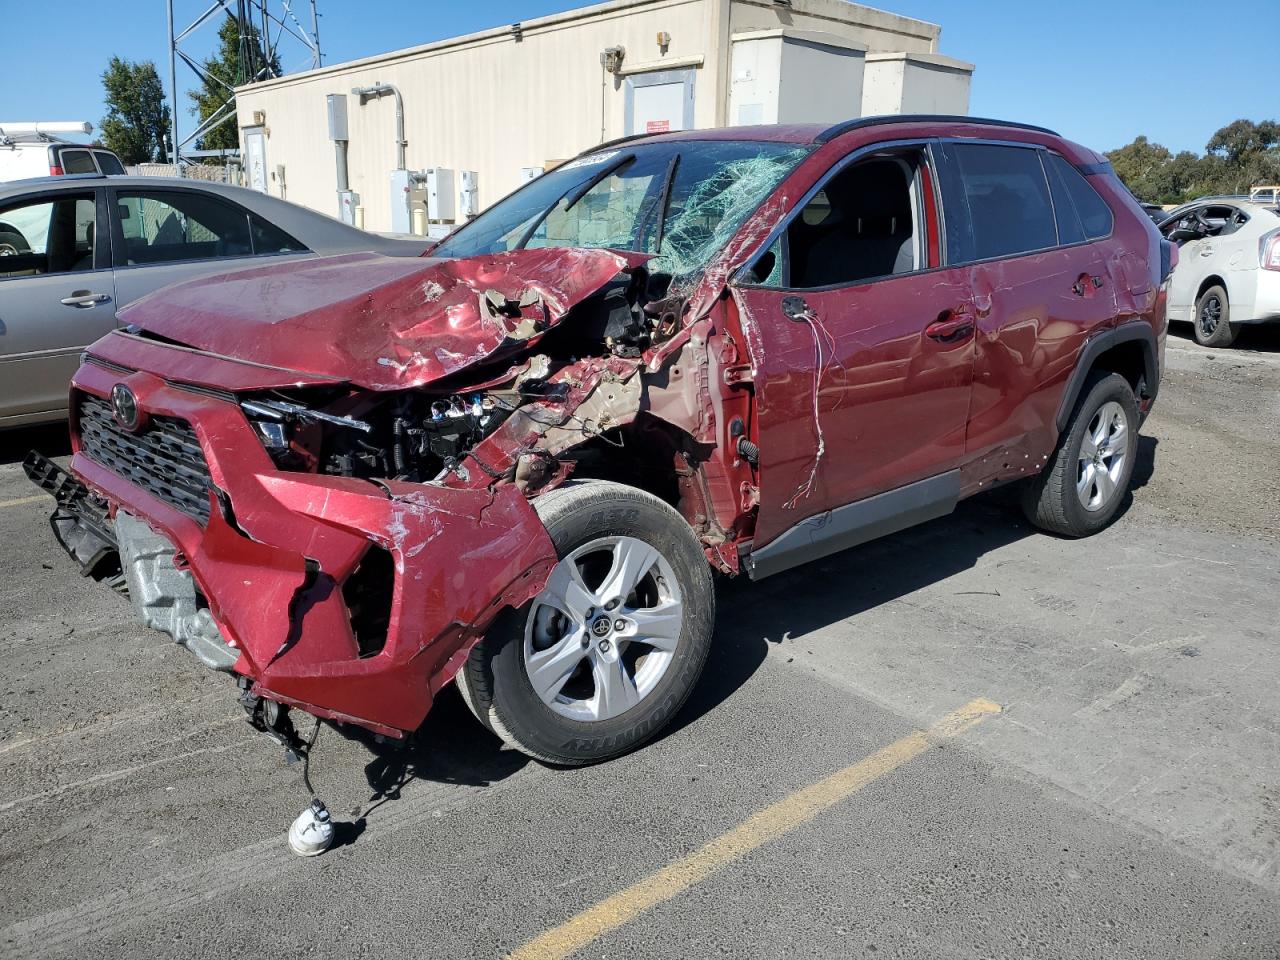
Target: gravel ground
point(1124, 803)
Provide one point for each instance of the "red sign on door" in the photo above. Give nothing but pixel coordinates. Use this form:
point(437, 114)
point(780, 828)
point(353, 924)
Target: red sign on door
point(658, 126)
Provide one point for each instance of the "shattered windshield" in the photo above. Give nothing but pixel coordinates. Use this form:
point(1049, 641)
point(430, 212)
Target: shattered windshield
point(679, 200)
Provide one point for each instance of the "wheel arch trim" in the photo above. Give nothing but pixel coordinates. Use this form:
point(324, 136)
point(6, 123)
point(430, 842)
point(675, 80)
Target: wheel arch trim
point(1095, 347)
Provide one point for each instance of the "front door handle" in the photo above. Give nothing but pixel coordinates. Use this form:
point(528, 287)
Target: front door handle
point(950, 327)
point(85, 299)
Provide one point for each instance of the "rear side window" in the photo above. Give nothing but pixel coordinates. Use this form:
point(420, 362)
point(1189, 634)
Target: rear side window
point(77, 161)
point(108, 163)
point(1010, 211)
point(1086, 211)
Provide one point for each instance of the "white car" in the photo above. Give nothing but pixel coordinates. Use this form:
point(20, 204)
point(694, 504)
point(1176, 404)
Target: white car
point(1228, 271)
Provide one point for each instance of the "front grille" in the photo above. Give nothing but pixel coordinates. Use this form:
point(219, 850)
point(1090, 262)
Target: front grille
point(163, 458)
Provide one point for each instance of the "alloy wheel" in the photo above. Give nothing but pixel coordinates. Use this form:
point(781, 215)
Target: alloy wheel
point(604, 630)
point(1210, 316)
point(1103, 450)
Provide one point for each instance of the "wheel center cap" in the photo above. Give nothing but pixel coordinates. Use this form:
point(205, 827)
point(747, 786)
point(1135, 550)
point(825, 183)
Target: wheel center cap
point(601, 626)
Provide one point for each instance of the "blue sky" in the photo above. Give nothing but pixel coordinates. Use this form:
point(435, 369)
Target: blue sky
point(1098, 72)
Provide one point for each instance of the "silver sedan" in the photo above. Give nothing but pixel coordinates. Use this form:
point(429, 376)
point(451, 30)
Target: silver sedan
point(74, 248)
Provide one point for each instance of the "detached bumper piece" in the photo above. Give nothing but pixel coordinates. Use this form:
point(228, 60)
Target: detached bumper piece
point(79, 522)
point(133, 560)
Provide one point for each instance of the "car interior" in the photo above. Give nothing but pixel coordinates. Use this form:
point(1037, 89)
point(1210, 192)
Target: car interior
point(161, 228)
point(54, 237)
point(1209, 221)
point(860, 226)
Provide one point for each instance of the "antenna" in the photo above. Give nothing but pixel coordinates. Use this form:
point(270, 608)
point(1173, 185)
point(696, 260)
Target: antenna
point(280, 34)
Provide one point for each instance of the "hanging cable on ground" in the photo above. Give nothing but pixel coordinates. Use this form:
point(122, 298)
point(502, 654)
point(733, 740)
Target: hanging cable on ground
point(312, 832)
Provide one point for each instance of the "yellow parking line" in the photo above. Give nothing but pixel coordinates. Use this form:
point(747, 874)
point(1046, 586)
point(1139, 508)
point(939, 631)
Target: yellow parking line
point(768, 824)
point(22, 500)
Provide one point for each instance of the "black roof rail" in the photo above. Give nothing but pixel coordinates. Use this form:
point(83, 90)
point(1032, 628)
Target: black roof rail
point(842, 128)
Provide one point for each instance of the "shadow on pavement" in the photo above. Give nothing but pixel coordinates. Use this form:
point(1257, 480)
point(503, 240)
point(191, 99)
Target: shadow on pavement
point(450, 747)
point(1253, 338)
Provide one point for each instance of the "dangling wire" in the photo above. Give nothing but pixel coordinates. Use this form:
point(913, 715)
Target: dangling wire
point(306, 760)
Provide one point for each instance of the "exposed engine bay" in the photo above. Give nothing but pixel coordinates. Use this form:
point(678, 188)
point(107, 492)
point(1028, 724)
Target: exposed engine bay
point(426, 434)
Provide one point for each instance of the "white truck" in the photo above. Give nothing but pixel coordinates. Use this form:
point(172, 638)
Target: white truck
point(40, 149)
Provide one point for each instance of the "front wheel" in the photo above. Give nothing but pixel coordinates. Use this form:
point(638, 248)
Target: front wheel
point(1084, 482)
point(605, 655)
point(1213, 327)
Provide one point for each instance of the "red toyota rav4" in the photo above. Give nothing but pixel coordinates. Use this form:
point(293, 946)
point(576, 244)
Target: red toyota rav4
point(517, 463)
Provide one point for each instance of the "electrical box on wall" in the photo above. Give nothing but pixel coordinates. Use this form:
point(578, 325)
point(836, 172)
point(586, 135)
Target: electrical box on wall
point(442, 198)
point(401, 187)
point(468, 194)
point(348, 200)
point(336, 107)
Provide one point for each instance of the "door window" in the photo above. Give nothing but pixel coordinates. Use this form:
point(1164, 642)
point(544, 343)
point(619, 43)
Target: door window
point(861, 225)
point(1010, 211)
point(48, 236)
point(169, 226)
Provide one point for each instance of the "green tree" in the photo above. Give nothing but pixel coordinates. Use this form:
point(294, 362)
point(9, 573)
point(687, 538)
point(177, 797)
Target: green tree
point(238, 60)
point(1238, 156)
point(137, 119)
point(1139, 163)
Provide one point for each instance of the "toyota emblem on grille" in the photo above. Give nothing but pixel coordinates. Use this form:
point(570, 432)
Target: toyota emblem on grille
point(125, 406)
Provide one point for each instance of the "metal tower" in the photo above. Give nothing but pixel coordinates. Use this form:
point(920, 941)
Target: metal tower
point(281, 33)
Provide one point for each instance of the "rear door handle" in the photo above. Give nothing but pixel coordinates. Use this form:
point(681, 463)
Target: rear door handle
point(950, 327)
point(85, 299)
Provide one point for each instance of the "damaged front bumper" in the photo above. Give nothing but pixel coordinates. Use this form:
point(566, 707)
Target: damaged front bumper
point(286, 581)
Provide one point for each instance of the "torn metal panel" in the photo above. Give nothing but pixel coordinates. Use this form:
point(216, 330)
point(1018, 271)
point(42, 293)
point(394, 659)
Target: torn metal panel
point(380, 322)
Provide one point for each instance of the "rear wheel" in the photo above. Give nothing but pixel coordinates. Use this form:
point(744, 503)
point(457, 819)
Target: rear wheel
point(606, 654)
point(1213, 326)
point(1084, 482)
point(12, 244)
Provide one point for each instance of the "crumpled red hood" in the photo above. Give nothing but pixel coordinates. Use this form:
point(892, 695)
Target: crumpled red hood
point(379, 322)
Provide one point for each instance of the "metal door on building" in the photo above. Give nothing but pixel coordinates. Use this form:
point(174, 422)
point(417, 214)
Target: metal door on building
point(659, 102)
point(255, 158)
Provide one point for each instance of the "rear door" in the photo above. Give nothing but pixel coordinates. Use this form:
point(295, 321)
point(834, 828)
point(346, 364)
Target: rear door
point(1032, 236)
point(865, 351)
point(165, 235)
point(56, 296)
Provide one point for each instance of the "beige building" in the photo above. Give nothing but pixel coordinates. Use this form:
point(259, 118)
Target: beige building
point(504, 103)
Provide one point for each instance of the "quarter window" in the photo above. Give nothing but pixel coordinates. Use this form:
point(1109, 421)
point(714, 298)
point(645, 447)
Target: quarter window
point(1091, 212)
point(1010, 211)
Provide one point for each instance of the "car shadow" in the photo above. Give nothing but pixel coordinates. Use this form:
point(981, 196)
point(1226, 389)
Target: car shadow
point(752, 616)
point(51, 439)
point(450, 747)
point(1253, 338)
